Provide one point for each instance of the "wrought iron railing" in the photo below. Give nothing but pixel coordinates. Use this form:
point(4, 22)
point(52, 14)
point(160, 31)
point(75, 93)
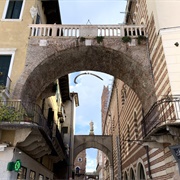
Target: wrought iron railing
point(22, 112)
point(163, 112)
point(56, 30)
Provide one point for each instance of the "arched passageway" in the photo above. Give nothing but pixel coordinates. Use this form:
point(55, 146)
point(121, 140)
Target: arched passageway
point(45, 64)
point(103, 143)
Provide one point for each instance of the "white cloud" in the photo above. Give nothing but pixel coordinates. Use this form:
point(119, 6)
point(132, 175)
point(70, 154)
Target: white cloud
point(89, 89)
point(91, 161)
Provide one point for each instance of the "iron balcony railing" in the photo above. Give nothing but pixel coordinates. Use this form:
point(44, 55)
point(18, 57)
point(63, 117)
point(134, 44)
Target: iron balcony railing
point(56, 30)
point(19, 112)
point(13, 113)
point(163, 112)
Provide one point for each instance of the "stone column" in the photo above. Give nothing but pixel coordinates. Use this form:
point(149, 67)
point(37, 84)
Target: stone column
point(111, 172)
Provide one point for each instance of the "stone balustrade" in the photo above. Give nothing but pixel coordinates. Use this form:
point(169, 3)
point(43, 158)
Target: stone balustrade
point(49, 30)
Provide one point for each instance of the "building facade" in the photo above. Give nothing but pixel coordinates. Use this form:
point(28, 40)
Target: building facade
point(146, 142)
point(36, 138)
point(80, 165)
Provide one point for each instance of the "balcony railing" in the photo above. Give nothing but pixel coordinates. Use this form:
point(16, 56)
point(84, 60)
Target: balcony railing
point(48, 30)
point(17, 112)
point(163, 112)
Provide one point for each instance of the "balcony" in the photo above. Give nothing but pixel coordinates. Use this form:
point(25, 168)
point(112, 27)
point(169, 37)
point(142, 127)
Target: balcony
point(163, 116)
point(17, 115)
point(48, 30)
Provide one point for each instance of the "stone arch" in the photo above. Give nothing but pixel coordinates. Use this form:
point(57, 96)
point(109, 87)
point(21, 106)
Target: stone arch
point(103, 143)
point(45, 64)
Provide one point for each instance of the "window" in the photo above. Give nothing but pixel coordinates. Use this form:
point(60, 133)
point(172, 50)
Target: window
point(41, 177)
point(38, 19)
point(135, 125)
point(142, 175)
point(77, 170)
point(64, 130)
point(13, 9)
point(32, 175)
point(125, 176)
point(6, 62)
point(132, 176)
point(22, 173)
point(79, 159)
point(141, 172)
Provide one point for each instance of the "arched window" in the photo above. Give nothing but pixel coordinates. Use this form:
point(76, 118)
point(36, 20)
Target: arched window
point(125, 176)
point(77, 169)
point(80, 159)
point(132, 176)
point(141, 174)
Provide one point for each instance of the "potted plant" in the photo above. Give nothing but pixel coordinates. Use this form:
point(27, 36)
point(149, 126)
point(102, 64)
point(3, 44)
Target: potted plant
point(141, 38)
point(126, 39)
point(9, 114)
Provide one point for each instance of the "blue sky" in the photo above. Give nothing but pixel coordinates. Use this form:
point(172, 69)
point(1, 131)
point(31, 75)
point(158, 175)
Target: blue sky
point(88, 87)
point(97, 11)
